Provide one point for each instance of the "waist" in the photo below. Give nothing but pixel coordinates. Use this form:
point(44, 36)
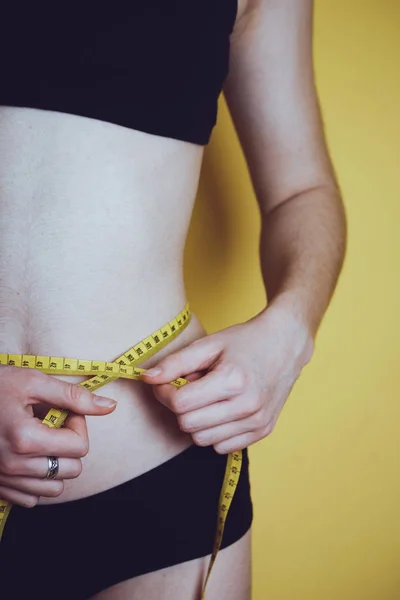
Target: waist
point(137, 437)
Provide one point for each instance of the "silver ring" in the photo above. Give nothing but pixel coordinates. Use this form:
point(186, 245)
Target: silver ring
point(53, 466)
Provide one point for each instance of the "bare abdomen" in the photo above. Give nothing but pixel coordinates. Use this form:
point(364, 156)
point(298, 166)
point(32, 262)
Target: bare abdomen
point(93, 221)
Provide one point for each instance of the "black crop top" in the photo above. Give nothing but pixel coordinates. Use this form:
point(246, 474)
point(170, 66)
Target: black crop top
point(153, 65)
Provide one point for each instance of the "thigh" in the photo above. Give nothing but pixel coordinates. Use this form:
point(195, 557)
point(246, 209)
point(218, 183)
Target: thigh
point(230, 578)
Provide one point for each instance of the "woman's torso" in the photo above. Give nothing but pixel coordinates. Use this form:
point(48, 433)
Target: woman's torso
point(93, 223)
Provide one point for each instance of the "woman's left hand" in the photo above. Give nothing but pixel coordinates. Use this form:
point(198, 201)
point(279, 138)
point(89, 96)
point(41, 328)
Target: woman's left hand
point(240, 379)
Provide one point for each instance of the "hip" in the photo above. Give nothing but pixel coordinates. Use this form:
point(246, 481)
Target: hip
point(139, 435)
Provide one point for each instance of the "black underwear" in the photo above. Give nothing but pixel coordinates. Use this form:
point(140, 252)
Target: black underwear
point(161, 518)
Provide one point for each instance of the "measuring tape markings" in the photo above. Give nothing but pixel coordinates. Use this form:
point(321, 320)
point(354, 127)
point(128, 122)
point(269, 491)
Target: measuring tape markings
point(125, 366)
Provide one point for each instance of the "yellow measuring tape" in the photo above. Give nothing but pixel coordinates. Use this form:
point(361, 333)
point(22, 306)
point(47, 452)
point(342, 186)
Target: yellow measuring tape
point(125, 366)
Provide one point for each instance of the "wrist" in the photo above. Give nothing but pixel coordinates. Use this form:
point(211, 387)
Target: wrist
point(286, 313)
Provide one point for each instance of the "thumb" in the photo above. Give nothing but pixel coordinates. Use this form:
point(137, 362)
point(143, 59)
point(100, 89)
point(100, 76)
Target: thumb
point(71, 396)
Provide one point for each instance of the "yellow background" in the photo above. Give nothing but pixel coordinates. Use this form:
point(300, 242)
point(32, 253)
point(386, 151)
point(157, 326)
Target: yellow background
point(326, 483)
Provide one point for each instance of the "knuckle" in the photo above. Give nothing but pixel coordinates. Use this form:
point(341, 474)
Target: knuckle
point(164, 394)
point(221, 449)
point(74, 393)
point(236, 377)
point(21, 441)
point(259, 419)
point(83, 447)
point(8, 468)
point(242, 412)
point(55, 489)
point(254, 404)
point(30, 501)
point(225, 367)
point(76, 469)
point(247, 410)
point(185, 423)
point(199, 439)
point(268, 429)
point(176, 403)
point(4, 462)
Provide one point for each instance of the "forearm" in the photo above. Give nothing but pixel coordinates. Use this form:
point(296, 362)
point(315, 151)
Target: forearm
point(302, 248)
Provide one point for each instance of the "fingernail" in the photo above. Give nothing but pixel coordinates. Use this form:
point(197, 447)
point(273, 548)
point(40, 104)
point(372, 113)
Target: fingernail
point(152, 372)
point(105, 402)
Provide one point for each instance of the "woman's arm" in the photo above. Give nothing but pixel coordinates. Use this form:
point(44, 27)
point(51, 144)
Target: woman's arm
point(271, 95)
point(252, 367)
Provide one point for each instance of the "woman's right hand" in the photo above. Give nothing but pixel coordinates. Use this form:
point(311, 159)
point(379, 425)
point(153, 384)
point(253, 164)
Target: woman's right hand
point(25, 442)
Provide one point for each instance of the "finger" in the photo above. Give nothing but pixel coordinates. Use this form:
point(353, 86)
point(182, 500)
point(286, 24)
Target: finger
point(219, 413)
point(37, 439)
point(214, 435)
point(33, 486)
point(166, 395)
point(195, 376)
point(197, 356)
point(37, 467)
point(76, 423)
point(223, 382)
point(17, 497)
point(71, 396)
point(239, 442)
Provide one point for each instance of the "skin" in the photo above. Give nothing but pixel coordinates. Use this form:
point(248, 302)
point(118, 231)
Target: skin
point(22, 447)
point(238, 401)
point(51, 159)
